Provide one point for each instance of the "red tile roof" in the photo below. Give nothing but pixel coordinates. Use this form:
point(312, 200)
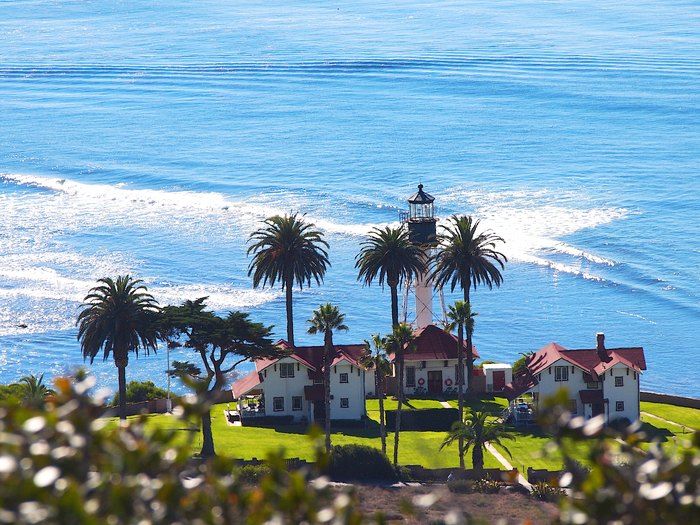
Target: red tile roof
point(433, 342)
point(246, 384)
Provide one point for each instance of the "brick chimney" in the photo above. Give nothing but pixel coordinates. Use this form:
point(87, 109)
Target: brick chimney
point(600, 346)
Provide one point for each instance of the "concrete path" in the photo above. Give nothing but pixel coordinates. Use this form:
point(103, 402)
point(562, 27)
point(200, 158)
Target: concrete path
point(445, 404)
point(503, 461)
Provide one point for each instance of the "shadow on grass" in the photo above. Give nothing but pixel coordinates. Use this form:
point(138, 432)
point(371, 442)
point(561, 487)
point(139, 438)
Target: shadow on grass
point(367, 429)
point(656, 433)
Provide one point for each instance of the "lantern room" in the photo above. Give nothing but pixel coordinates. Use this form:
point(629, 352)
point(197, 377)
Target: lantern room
point(421, 218)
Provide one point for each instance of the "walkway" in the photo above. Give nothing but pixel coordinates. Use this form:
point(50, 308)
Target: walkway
point(445, 404)
point(503, 461)
point(684, 427)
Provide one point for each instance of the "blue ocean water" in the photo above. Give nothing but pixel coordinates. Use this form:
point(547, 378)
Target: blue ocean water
point(152, 137)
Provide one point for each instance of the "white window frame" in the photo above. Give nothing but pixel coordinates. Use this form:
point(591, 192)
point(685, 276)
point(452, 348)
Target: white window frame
point(274, 404)
point(622, 381)
point(344, 377)
point(344, 402)
point(294, 406)
point(561, 374)
point(286, 370)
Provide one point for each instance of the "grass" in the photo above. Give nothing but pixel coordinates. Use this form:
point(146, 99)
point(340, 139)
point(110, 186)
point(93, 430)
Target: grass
point(688, 417)
point(415, 448)
point(492, 405)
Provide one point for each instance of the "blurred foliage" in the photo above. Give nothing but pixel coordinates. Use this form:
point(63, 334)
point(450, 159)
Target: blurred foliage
point(627, 482)
point(63, 464)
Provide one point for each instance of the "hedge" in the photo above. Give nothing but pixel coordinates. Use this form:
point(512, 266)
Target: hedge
point(437, 419)
point(359, 462)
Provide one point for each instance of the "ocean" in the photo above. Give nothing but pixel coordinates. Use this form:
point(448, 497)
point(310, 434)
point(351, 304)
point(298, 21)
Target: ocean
point(151, 138)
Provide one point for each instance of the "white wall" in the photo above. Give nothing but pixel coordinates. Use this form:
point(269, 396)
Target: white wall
point(370, 386)
point(354, 390)
point(448, 372)
point(274, 386)
point(488, 372)
point(628, 393)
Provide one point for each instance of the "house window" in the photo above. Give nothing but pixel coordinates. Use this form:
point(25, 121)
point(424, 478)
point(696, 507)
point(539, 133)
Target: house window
point(445, 363)
point(572, 406)
point(296, 403)
point(593, 385)
point(619, 406)
point(410, 376)
point(561, 373)
point(344, 402)
point(286, 370)
point(619, 380)
point(278, 404)
point(344, 377)
point(318, 381)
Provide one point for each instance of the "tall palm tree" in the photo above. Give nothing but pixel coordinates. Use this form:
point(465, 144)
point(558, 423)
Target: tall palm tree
point(468, 258)
point(475, 432)
point(401, 340)
point(377, 360)
point(461, 317)
point(389, 257)
point(118, 317)
point(326, 320)
point(287, 249)
point(35, 391)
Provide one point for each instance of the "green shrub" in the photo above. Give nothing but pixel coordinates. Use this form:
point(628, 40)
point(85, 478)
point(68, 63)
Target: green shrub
point(138, 391)
point(486, 486)
point(425, 419)
point(359, 462)
point(253, 474)
point(546, 492)
point(12, 394)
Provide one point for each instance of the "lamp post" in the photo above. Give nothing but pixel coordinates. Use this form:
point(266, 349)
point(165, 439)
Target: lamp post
point(168, 401)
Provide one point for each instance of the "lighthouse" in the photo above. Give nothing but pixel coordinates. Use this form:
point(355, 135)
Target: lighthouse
point(422, 223)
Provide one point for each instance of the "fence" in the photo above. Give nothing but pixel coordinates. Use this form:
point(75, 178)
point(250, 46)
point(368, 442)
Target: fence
point(681, 401)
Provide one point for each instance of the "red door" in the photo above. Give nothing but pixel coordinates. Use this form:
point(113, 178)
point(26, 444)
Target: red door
point(499, 380)
point(435, 381)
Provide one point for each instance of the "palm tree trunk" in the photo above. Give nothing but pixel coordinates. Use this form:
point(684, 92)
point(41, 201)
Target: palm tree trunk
point(470, 354)
point(290, 317)
point(460, 388)
point(327, 387)
point(478, 457)
point(394, 304)
point(378, 378)
point(121, 369)
point(397, 430)
point(207, 436)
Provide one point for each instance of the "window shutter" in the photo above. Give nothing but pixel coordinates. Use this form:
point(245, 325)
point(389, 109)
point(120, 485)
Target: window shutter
point(275, 365)
point(297, 367)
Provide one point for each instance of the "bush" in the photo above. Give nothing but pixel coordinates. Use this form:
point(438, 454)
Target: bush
point(138, 391)
point(620, 423)
point(486, 486)
point(360, 462)
point(12, 394)
point(253, 474)
point(546, 492)
point(435, 419)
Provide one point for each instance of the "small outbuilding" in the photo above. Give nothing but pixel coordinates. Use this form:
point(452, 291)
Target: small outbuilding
point(498, 375)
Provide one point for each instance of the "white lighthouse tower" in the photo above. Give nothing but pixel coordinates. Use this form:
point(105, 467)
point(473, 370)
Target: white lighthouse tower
point(421, 223)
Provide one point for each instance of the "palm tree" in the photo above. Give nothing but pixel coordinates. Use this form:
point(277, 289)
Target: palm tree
point(400, 341)
point(378, 362)
point(461, 317)
point(326, 320)
point(287, 249)
point(35, 391)
point(475, 432)
point(118, 317)
point(468, 259)
point(389, 256)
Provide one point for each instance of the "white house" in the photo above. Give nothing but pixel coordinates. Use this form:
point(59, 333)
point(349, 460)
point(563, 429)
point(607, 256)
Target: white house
point(598, 381)
point(498, 375)
point(293, 385)
point(432, 367)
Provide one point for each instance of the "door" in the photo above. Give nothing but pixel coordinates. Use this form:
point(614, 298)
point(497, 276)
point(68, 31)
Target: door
point(319, 411)
point(435, 381)
point(597, 409)
point(499, 380)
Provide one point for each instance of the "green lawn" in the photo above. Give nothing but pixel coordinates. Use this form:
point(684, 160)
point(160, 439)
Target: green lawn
point(689, 417)
point(415, 448)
